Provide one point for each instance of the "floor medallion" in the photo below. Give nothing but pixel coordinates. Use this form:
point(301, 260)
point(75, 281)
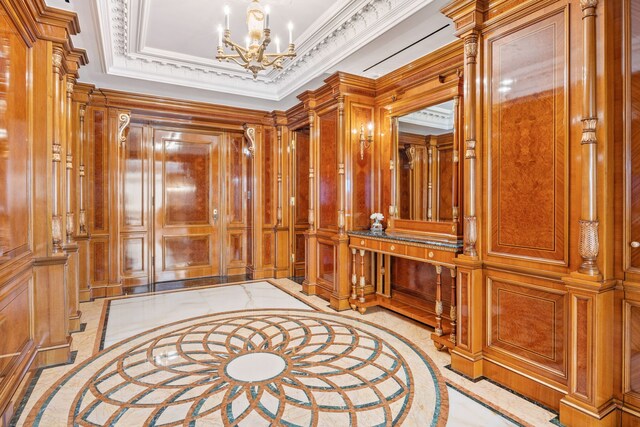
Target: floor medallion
point(253, 368)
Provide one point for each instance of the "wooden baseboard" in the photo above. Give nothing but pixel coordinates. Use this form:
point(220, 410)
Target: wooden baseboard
point(524, 385)
point(106, 291)
point(16, 372)
point(54, 355)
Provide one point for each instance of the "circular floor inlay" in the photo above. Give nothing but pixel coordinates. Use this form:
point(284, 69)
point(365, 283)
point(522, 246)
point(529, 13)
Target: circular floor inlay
point(255, 367)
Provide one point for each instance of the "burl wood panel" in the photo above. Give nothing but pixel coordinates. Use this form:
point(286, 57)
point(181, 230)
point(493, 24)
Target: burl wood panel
point(419, 280)
point(405, 192)
point(362, 173)
point(445, 179)
point(133, 248)
point(187, 182)
point(186, 251)
point(528, 322)
point(99, 269)
point(634, 361)
point(634, 185)
point(582, 308)
point(14, 144)
point(463, 303)
point(328, 171)
point(187, 188)
point(301, 209)
point(134, 181)
point(269, 166)
point(235, 185)
point(99, 194)
point(14, 321)
point(236, 256)
point(527, 141)
point(326, 262)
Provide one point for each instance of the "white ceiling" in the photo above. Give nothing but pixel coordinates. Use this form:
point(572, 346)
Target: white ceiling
point(167, 47)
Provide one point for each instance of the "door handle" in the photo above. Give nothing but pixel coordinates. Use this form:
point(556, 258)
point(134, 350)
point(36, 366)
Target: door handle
point(635, 245)
point(215, 215)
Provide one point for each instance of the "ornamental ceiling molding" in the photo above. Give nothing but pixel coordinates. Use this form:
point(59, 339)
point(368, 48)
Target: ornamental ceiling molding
point(342, 30)
point(433, 117)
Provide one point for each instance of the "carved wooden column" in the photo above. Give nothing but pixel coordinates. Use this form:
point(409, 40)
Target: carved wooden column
point(311, 267)
point(56, 218)
point(455, 210)
point(592, 300)
point(282, 259)
point(431, 172)
point(339, 299)
point(589, 243)
point(82, 237)
point(470, 90)
point(70, 246)
point(467, 355)
point(51, 320)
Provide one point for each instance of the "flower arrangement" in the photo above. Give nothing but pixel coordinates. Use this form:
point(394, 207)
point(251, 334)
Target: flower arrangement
point(376, 227)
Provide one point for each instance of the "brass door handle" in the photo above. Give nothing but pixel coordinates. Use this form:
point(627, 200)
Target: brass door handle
point(635, 245)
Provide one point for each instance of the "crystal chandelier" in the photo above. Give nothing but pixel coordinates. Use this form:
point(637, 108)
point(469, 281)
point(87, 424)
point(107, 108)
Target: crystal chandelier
point(253, 56)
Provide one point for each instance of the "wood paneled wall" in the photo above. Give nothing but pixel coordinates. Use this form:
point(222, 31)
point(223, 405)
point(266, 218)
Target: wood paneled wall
point(39, 257)
point(133, 196)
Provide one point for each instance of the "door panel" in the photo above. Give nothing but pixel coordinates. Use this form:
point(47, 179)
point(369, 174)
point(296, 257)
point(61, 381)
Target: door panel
point(300, 184)
point(634, 138)
point(187, 187)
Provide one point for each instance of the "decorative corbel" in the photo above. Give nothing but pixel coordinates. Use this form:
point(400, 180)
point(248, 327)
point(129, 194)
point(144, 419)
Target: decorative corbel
point(410, 152)
point(250, 134)
point(124, 119)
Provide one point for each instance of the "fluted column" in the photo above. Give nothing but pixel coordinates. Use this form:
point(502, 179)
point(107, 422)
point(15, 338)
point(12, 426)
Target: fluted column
point(471, 219)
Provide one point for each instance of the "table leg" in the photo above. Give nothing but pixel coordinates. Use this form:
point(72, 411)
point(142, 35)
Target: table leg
point(354, 279)
point(454, 312)
point(439, 309)
point(362, 276)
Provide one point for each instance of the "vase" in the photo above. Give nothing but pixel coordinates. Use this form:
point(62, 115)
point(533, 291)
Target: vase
point(376, 227)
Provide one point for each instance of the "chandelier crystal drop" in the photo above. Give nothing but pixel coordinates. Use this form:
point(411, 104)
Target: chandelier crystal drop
point(253, 56)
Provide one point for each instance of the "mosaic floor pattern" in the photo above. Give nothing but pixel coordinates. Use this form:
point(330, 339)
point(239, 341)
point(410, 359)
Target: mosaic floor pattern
point(252, 367)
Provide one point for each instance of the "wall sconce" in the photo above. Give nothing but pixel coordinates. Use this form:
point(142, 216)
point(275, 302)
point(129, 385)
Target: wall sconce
point(365, 142)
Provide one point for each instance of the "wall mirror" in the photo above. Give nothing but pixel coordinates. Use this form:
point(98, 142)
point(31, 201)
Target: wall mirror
point(425, 163)
point(426, 149)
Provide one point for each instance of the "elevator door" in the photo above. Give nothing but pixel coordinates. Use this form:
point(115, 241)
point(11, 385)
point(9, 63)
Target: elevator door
point(186, 204)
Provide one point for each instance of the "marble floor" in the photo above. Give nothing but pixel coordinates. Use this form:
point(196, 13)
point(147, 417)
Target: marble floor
point(277, 355)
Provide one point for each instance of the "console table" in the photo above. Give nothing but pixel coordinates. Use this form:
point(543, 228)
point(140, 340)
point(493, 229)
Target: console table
point(440, 253)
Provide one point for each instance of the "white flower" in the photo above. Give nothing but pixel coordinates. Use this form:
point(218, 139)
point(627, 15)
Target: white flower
point(377, 216)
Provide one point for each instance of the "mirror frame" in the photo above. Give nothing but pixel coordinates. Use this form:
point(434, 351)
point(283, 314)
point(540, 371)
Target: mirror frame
point(450, 87)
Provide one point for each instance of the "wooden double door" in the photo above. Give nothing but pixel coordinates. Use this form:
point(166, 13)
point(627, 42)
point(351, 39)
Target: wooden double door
point(172, 223)
point(186, 204)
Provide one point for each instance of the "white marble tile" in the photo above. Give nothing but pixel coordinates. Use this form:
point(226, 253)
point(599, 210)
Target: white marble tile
point(131, 316)
point(466, 412)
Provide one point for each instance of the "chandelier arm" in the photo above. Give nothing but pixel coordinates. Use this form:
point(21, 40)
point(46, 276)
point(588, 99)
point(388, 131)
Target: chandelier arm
point(268, 63)
point(234, 58)
point(271, 59)
point(239, 49)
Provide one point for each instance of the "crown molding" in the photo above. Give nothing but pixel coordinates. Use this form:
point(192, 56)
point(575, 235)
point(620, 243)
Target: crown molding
point(340, 31)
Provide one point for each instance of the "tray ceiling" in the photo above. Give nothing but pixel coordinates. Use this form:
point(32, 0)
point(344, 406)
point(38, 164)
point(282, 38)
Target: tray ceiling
point(167, 42)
